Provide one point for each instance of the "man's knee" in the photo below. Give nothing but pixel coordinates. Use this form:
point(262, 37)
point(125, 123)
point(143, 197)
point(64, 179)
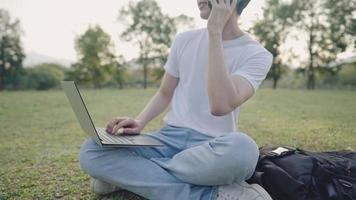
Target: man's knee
point(241, 155)
point(233, 158)
point(87, 155)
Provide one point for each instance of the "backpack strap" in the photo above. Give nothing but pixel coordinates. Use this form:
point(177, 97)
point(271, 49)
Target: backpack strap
point(329, 161)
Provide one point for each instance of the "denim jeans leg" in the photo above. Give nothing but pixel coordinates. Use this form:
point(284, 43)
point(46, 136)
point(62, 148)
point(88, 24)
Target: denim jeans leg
point(227, 159)
point(130, 168)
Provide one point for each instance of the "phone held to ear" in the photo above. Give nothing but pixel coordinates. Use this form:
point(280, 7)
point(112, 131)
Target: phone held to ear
point(211, 6)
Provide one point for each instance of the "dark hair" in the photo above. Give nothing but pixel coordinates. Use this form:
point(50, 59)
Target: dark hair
point(241, 6)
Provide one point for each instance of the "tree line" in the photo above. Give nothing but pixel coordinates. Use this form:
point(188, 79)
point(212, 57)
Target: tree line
point(328, 26)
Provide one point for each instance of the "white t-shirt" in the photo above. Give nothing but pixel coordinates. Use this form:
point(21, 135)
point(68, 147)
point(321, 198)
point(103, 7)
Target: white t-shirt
point(188, 60)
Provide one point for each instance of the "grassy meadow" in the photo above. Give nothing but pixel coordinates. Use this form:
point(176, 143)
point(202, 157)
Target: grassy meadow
point(40, 136)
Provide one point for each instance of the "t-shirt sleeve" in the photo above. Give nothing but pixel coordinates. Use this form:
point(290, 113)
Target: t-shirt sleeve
point(171, 65)
point(255, 68)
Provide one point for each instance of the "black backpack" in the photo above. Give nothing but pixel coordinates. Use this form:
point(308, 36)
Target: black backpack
point(295, 174)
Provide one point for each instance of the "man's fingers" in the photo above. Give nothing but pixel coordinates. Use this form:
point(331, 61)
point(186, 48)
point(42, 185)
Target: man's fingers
point(131, 131)
point(223, 2)
point(126, 122)
point(227, 3)
point(115, 129)
point(233, 4)
point(214, 2)
point(110, 125)
point(113, 122)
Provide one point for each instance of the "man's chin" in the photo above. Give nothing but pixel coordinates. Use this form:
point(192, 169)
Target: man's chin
point(204, 15)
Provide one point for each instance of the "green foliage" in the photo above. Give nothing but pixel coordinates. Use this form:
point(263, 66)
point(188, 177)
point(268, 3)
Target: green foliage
point(329, 27)
point(11, 52)
point(119, 71)
point(292, 79)
point(97, 61)
point(158, 73)
point(151, 30)
point(341, 26)
point(43, 76)
point(342, 77)
point(345, 77)
point(271, 31)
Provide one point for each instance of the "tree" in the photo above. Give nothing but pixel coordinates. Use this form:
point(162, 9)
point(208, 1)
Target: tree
point(43, 77)
point(97, 60)
point(119, 71)
point(11, 52)
point(151, 30)
point(329, 26)
point(341, 26)
point(271, 31)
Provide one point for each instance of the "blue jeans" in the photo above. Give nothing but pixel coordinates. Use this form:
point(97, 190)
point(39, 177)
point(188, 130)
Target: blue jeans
point(191, 165)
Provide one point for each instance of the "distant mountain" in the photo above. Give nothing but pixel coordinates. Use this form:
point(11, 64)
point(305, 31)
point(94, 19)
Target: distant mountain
point(34, 58)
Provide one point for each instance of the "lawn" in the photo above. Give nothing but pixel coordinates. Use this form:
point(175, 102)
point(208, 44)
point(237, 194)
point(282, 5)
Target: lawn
point(40, 136)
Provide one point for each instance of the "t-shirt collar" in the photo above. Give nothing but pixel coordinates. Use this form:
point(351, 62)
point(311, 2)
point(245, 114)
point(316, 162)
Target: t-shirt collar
point(237, 41)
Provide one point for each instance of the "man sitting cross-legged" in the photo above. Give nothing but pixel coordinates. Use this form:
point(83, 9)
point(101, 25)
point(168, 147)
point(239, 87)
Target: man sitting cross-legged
point(209, 74)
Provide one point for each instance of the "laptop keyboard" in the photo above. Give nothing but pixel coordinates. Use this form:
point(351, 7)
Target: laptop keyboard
point(113, 139)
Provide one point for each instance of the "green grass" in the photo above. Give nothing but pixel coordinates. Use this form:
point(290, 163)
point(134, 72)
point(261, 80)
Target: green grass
point(40, 136)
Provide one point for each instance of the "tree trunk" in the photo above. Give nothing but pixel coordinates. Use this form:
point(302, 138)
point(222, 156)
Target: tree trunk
point(311, 78)
point(96, 84)
point(144, 75)
point(310, 70)
point(274, 76)
point(1, 85)
point(2, 79)
point(275, 80)
point(2, 72)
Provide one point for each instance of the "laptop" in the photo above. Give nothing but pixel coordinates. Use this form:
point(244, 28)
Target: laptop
point(99, 135)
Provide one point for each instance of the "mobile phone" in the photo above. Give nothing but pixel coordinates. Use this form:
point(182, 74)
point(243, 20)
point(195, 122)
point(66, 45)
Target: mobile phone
point(211, 6)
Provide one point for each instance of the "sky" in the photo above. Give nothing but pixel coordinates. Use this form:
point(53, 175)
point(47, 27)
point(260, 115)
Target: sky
point(50, 26)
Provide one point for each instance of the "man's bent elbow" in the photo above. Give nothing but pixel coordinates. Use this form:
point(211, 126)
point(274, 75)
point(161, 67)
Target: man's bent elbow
point(220, 111)
point(223, 110)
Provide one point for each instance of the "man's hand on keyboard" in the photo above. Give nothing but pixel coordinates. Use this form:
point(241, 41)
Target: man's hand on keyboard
point(129, 126)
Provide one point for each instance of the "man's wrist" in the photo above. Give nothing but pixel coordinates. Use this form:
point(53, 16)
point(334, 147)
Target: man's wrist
point(140, 122)
point(215, 36)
